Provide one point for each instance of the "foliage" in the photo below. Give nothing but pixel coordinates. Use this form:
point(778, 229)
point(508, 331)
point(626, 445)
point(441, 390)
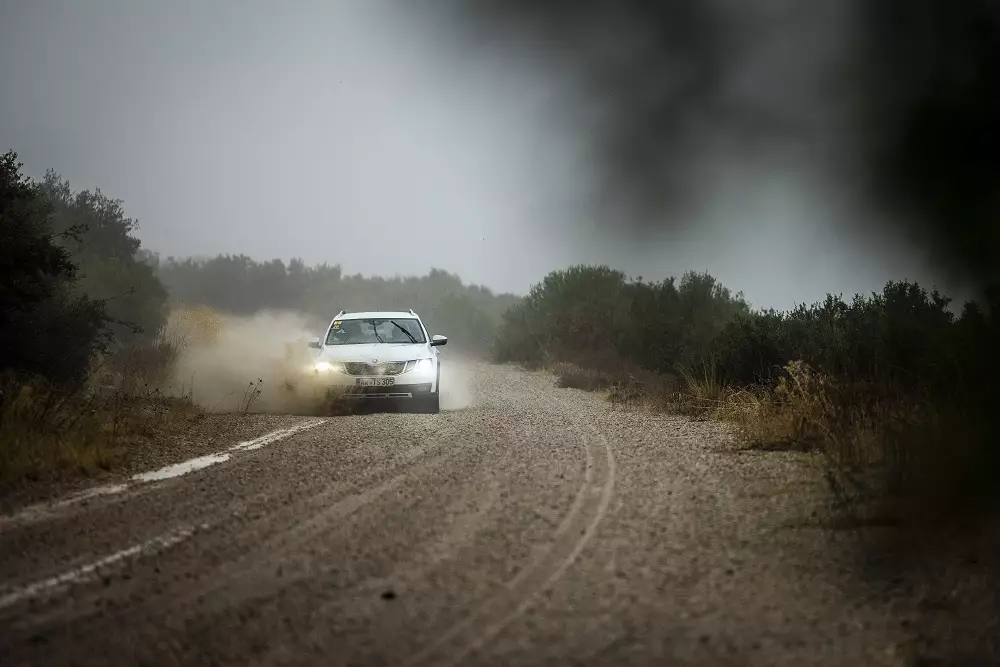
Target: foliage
point(596, 315)
point(895, 384)
point(107, 255)
point(51, 431)
point(47, 327)
point(73, 288)
point(468, 314)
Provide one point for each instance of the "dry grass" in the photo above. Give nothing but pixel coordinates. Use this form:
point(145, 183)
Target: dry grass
point(625, 384)
point(52, 432)
point(576, 377)
point(888, 455)
point(49, 433)
point(885, 452)
point(132, 401)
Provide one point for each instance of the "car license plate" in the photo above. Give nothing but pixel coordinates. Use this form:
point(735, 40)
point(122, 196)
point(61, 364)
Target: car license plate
point(375, 382)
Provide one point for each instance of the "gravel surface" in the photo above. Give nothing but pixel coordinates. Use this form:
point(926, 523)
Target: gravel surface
point(182, 437)
point(528, 525)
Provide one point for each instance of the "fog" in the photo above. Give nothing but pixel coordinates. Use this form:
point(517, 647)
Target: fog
point(392, 137)
point(884, 109)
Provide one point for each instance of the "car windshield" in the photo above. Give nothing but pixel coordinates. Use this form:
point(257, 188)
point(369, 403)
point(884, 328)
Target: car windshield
point(375, 330)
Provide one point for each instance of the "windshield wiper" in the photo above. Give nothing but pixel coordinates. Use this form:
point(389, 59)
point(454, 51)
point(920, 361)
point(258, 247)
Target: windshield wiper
point(403, 329)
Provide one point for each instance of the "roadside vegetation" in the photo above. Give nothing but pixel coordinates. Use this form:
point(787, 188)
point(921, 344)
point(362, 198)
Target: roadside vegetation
point(81, 332)
point(239, 285)
point(896, 391)
point(93, 328)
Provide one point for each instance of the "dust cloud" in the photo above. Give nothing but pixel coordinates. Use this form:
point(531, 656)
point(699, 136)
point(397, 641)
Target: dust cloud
point(228, 363)
point(456, 383)
point(260, 363)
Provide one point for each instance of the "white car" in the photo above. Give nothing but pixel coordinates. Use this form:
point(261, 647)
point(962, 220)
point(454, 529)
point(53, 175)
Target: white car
point(380, 355)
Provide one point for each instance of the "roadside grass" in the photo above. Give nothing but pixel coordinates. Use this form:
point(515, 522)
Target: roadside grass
point(48, 432)
point(577, 377)
point(132, 401)
point(887, 455)
point(626, 385)
point(53, 432)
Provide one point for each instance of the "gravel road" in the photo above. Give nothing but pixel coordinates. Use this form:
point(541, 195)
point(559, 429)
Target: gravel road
point(532, 526)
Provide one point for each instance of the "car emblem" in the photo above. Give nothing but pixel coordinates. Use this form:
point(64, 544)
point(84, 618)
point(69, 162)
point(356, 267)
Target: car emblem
point(375, 360)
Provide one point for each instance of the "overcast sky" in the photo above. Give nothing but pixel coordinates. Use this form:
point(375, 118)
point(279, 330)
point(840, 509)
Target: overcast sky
point(384, 139)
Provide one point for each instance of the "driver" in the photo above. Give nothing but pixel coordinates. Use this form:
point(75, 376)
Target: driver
point(346, 332)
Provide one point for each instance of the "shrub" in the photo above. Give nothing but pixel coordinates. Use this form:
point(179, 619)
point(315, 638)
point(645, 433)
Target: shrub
point(51, 431)
point(99, 238)
point(598, 317)
point(895, 389)
point(45, 329)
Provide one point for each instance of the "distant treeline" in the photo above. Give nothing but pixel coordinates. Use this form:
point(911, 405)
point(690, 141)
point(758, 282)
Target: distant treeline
point(85, 350)
point(72, 283)
point(76, 283)
point(904, 335)
point(468, 314)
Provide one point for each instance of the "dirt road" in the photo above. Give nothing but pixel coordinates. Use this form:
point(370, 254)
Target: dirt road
point(534, 526)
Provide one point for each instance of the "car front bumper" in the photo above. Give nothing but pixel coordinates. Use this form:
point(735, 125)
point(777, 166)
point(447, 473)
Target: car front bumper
point(413, 384)
point(401, 391)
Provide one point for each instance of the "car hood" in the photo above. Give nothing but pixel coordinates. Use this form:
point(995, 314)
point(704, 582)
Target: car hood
point(380, 351)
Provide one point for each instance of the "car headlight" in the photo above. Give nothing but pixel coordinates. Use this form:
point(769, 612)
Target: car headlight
point(326, 367)
point(419, 365)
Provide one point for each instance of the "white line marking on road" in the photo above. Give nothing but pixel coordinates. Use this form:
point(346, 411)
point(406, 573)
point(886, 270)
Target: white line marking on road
point(182, 468)
point(168, 472)
point(66, 579)
point(199, 462)
point(274, 436)
point(108, 490)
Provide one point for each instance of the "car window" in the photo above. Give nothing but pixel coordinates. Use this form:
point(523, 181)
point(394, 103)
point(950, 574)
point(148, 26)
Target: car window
point(348, 332)
point(358, 332)
point(396, 330)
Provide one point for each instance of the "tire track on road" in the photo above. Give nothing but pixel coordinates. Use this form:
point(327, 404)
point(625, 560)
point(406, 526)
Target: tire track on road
point(267, 554)
point(223, 589)
point(574, 533)
point(467, 527)
point(257, 555)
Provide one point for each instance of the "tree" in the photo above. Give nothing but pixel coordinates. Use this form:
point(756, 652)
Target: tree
point(45, 327)
point(110, 261)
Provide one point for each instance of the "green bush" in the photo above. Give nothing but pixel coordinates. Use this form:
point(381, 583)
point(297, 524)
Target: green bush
point(99, 238)
point(595, 315)
point(895, 381)
point(904, 337)
point(47, 328)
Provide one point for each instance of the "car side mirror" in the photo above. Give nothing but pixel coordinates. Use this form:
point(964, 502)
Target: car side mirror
point(438, 340)
point(314, 343)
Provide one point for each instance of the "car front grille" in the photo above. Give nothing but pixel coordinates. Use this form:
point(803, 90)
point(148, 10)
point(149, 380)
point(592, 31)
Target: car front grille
point(396, 391)
point(361, 368)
